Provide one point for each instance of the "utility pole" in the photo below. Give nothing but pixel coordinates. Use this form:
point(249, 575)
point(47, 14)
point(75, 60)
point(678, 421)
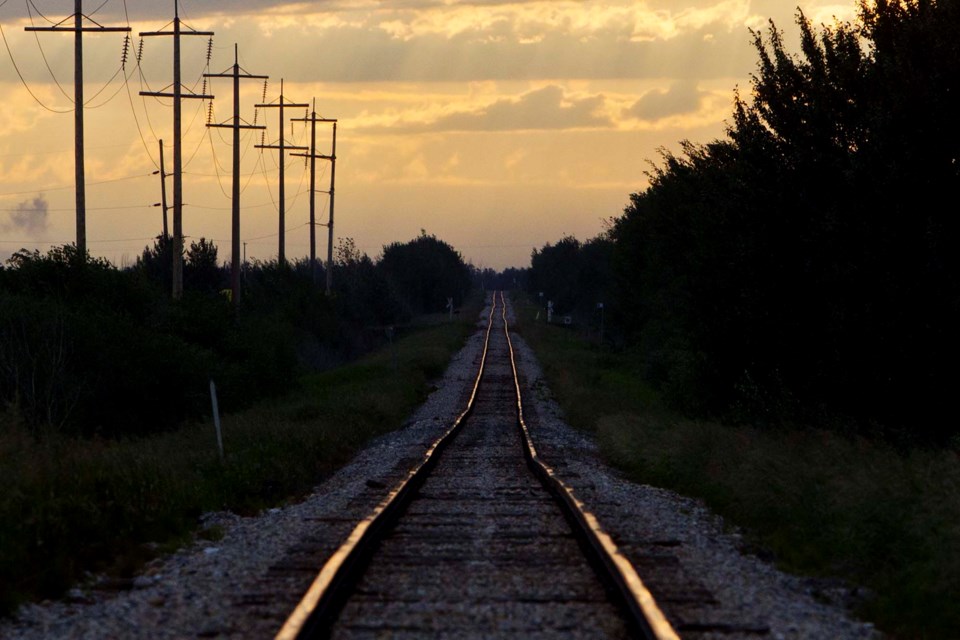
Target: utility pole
point(177, 96)
point(236, 126)
point(163, 193)
point(333, 178)
point(282, 146)
point(314, 156)
point(79, 171)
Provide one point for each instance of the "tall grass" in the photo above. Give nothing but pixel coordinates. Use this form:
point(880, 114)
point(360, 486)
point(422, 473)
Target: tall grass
point(71, 505)
point(820, 503)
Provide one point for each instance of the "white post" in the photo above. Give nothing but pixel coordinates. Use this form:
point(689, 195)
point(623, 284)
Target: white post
point(600, 306)
point(216, 417)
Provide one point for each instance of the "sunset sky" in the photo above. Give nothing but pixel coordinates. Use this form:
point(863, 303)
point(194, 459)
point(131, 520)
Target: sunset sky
point(495, 125)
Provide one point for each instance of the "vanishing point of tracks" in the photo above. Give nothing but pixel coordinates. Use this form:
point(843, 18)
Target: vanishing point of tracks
point(480, 540)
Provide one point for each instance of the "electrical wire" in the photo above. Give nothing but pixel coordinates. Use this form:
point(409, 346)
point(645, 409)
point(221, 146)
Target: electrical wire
point(266, 180)
point(246, 206)
point(250, 176)
point(196, 150)
point(216, 167)
point(97, 10)
point(23, 80)
point(39, 13)
point(88, 105)
point(35, 242)
point(36, 36)
point(64, 188)
point(115, 208)
point(274, 235)
point(133, 110)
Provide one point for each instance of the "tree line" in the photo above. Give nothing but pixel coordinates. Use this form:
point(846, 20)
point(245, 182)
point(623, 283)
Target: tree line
point(87, 348)
point(805, 266)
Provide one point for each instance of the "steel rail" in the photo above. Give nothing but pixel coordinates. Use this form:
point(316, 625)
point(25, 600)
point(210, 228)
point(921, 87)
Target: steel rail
point(323, 600)
point(643, 610)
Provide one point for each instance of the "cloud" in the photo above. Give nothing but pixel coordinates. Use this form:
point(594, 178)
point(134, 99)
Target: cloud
point(680, 98)
point(30, 216)
point(545, 108)
point(436, 41)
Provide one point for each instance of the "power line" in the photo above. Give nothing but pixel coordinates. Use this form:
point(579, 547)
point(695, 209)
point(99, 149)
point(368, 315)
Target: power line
point(97, 10)
point(42, 53)
point(133, 110)
point(88, 104)
point(177, 96)
point(313, 156)
point(33, 241)
point(89, 184)
point(274, 235)
point(246, 206)
point(236, 126)
point(78, 30)
point(282, 147)
point(30, 3)
point(23, 80)
point(114, 208)
point(47, 153)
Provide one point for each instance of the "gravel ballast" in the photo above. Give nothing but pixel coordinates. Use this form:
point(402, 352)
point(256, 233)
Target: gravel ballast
point(225, 589)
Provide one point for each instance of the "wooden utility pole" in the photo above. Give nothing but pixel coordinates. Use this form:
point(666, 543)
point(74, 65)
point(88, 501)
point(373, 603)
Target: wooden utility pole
point(236, 126)
point(163, 193)
point(282, 146)
point(314, 156)
point(333, 179)
point(178, 96)
point(80, 175)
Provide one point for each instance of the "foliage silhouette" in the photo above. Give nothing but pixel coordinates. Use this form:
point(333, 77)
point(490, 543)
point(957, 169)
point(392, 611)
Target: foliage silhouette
point(805, 266)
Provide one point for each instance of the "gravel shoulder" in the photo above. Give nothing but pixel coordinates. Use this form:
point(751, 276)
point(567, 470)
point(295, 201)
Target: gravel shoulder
point(226, 589)
point(752, 598)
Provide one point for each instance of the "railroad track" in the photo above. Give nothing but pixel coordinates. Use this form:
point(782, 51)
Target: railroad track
point(480, 539)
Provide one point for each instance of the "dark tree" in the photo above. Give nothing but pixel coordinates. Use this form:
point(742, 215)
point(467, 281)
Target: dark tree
point(425, 272)
point(201, 272)
point(364, 295)
point(156, 262)
point(807, 263)
point(574, 276)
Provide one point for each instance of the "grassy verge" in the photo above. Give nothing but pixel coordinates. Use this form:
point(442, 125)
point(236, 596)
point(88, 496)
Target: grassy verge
point(820, 503)
point(69, 505)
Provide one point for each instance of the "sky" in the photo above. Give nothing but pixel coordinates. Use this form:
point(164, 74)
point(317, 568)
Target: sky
point(495, 125)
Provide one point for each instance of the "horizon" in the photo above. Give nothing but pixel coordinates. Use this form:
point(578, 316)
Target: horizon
point(497, 127)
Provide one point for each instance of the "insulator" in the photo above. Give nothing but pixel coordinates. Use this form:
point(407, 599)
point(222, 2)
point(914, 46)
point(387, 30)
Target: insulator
point(210, 113)
point(209, 50)
point(264, 91)
point(126, 51)
point(140, 51)
point(203, 91)
point(256, 114)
